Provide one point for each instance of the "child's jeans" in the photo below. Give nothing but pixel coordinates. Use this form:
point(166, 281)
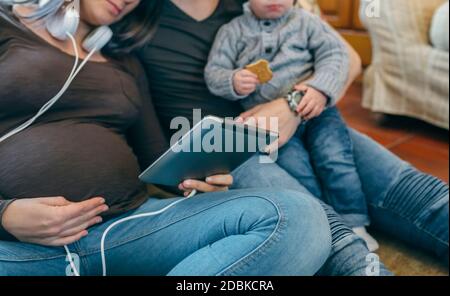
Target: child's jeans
point(330, 148)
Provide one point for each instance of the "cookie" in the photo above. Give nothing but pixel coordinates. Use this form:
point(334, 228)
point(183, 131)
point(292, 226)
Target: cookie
point(262, 69)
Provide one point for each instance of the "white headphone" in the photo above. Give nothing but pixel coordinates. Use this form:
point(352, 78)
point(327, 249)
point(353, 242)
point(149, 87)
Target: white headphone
point(63, 25)
point(67, 19)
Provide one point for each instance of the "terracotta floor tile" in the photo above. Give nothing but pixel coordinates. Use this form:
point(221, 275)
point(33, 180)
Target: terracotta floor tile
point(426, 155)
point(424, 145)
point(368, 122)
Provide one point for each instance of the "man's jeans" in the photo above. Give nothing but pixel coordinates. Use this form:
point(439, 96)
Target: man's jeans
point(248, 232)
point(402, 201)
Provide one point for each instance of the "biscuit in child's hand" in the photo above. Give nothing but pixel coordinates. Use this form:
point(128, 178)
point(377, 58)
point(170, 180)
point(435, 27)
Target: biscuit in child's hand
point(262, 69)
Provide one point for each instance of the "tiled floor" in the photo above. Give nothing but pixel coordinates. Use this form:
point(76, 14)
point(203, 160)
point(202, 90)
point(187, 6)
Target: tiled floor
point(424, 146)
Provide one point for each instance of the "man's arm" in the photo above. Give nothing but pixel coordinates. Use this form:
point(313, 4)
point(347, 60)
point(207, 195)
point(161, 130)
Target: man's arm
point(355, 63)
point(331, 58)
point(355, 67)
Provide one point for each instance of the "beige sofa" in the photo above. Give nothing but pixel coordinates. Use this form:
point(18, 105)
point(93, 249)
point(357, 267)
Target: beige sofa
point(407, 76)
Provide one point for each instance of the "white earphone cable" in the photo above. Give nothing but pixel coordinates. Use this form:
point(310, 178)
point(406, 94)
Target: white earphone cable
point(105, 233)
point(52, 101)
point(71, 262)
point(144, 215)
point(47, 106)
point(55, 99)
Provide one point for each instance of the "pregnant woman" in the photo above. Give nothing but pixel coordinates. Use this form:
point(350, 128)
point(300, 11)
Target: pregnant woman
point(402, 201)
point(74, 172)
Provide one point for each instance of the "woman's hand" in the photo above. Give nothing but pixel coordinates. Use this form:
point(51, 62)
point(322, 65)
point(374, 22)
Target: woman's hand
point(288, 121)
point(211, 184)
point(52, 221)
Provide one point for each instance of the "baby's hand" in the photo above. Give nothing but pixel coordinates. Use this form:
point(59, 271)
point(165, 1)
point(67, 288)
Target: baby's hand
point(313, 104)
point(245, 82)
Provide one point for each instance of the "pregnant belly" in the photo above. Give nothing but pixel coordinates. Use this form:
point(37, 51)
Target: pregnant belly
point(77, 161)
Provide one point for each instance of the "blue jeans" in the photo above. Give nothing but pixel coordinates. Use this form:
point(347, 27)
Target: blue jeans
point(403, 202)
point(330, 152)
point(248, 232)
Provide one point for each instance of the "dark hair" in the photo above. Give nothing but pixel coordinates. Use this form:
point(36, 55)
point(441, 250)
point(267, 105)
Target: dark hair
point(136, 29)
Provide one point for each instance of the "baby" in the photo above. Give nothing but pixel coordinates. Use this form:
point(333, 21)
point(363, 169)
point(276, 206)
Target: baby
point(299, 47)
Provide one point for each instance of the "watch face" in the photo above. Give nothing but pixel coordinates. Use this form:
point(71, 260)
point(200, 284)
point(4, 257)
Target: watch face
point(298, 96)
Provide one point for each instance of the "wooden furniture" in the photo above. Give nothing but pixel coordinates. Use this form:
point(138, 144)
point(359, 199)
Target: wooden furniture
point(344, 16)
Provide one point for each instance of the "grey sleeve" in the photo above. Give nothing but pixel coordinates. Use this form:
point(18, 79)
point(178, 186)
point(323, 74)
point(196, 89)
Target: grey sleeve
point(221, 65)
point(4, 235)
point(332, 61)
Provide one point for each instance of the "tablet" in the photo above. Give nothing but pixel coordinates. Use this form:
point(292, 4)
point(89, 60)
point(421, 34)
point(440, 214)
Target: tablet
point(214, 146)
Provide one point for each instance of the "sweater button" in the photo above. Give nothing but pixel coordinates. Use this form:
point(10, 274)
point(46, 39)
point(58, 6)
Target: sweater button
point(269, 50)
point(267, 23)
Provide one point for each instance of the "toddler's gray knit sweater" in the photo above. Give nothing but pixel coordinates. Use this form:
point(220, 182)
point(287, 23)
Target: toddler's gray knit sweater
point(296, 45)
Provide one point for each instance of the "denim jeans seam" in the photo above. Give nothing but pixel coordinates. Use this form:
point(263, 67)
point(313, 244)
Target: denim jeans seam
point(401, 168)
point(32, 258)
point(75, 245)
point(344, 242)
point(84, 265)
point(250, 258)
point(261, 249)
point(414, 223)
point(142, 234)
point(39, 258)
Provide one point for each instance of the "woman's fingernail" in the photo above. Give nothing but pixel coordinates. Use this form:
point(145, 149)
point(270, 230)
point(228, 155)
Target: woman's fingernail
point(209, 179)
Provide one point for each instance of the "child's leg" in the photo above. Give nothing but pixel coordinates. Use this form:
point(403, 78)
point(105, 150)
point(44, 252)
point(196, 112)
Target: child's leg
point(331, 150)
point(295, 160)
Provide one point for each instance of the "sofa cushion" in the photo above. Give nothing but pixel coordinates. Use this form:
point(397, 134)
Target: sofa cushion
point(439, 33)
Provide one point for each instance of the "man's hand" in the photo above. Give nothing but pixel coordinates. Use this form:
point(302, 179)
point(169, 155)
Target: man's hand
point(52, 221)
point(288, 121)
point(313, 104)
point(245, 82)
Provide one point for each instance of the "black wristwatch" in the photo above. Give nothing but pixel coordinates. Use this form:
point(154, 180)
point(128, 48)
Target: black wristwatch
point(294, 98)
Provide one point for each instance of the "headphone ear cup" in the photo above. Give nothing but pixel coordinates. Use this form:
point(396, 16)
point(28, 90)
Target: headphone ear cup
point(42, 3)
point(97, 39)
point(65, 21)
